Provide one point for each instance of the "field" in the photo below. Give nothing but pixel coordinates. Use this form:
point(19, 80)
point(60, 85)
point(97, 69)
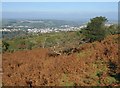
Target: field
point(96, 64)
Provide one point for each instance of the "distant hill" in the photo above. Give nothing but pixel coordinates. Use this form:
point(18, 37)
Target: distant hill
point(42, 23)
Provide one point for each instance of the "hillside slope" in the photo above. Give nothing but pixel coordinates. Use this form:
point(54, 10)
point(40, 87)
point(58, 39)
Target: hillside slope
point(95, 65)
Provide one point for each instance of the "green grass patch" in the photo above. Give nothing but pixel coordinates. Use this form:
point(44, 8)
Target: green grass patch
point(65, 81)
point(84, 54)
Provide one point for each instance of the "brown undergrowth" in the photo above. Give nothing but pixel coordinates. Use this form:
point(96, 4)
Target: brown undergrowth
point(95, 65)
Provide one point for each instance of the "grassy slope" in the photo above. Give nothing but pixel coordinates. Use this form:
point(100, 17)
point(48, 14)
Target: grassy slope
point(90, 67)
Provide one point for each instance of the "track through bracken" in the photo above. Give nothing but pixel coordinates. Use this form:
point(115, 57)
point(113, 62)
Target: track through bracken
point(92, 66)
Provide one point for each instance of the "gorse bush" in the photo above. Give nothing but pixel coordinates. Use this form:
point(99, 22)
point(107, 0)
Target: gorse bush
point(113, 29)
point(5, 46)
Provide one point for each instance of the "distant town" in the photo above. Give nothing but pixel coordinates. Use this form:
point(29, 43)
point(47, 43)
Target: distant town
point(41, 30)
point(12, 28)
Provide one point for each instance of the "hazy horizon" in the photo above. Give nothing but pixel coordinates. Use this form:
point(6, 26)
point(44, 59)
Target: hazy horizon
point(59, 10)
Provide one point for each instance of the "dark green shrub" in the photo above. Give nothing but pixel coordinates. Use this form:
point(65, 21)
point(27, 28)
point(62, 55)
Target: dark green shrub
point(5, 46)
point(95, 30)
point(113, 29)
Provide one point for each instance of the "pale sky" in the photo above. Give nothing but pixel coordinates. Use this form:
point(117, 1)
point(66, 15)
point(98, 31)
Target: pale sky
point(60, 0)
point(59, 10)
